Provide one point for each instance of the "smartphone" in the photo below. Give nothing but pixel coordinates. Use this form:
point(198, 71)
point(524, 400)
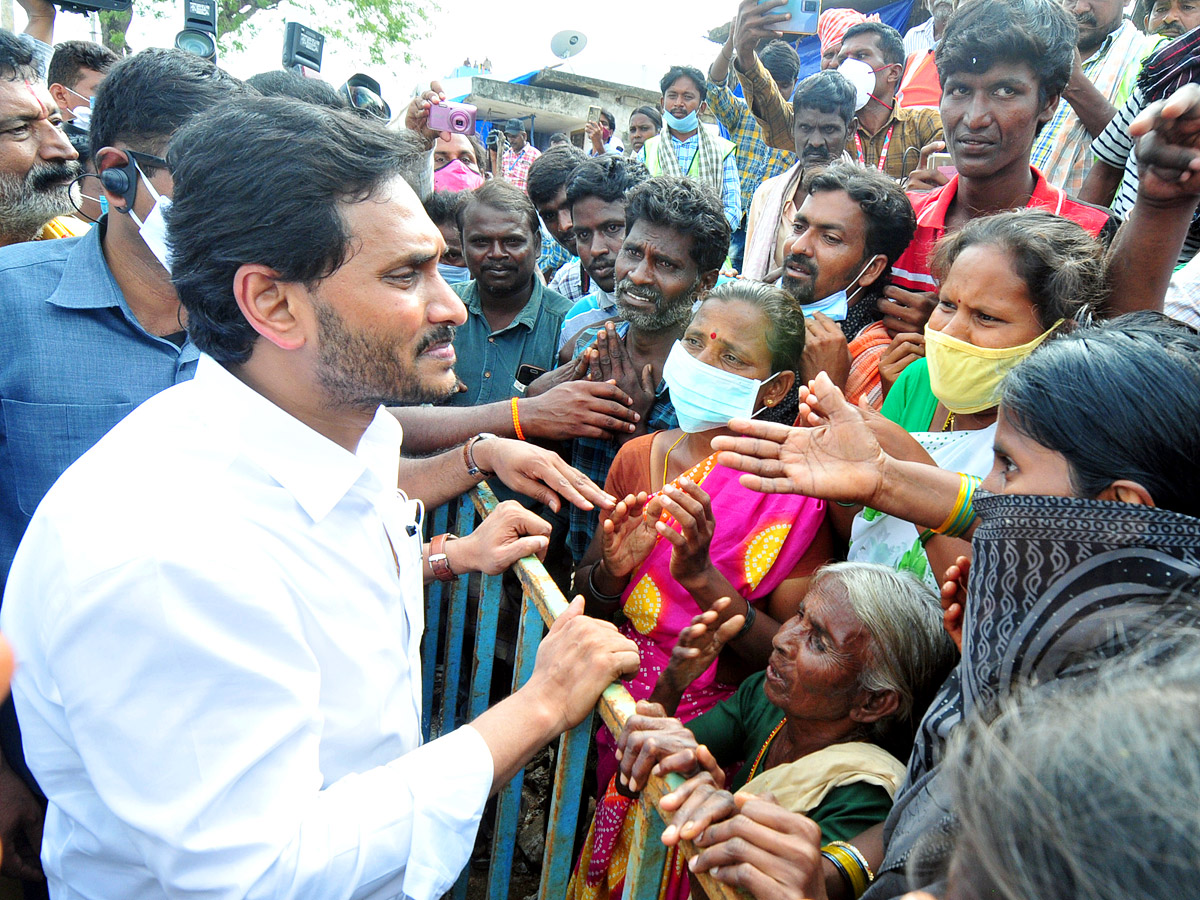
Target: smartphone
point(593, 114)
point(527, 374)
point(942, 162)
point(803, 13)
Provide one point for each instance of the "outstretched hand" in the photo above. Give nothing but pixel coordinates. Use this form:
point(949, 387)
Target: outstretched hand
point(837, 460)
point(416, 116)
point(954, 598)
point(1168, 147)
point(627, 535)
point(700, 644)
point(540, 474)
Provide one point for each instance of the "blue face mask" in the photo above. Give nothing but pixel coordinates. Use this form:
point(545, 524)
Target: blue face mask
point(706, 397)
point(690, 122)
point(453, 274)
point(837, 304)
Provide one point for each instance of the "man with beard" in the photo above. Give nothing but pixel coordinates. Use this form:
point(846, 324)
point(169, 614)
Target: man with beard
point(219, 608)
point(37, 162)
point(1109, 52)
point(822, 117)
point(596, 201)
point(853, 224)
point(1113, 179)
point(513, 320)
point(676, 237)
point(547, 188)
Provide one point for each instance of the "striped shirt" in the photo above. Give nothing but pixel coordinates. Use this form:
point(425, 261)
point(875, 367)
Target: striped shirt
point(1060, 149)
point(1114, 147)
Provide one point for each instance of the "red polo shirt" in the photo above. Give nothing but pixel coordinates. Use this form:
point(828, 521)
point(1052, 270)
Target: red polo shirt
point(911, 270)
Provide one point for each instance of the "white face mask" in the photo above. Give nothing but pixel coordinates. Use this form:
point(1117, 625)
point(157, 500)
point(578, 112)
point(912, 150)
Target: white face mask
point(862, 77)
point(154, 229)
point(706, 397)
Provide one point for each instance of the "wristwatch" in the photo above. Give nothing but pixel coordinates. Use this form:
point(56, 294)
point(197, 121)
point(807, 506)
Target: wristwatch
point(469, 455)
point(438, 561)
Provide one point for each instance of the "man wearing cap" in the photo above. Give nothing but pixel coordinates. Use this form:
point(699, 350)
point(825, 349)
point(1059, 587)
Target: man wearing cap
point(515, 163)
point(871, 57)
point(832, 26)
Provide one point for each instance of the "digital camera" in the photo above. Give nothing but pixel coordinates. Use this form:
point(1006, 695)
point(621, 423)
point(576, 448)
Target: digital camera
point(457, 118)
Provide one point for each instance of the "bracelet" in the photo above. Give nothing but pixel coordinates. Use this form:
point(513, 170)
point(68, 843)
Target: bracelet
point(596, 592)
point(469, 455)
point(517, 421)
point(963, 515)
point(438, 560)
point(853, 866)
point(751, 615)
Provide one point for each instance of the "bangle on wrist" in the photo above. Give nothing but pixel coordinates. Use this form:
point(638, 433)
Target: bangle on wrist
point(473, 468)
point(751, 615)
point(852, 865)
point(516, 417)
point(438, 560)
point(596, 592)
point(963, 515)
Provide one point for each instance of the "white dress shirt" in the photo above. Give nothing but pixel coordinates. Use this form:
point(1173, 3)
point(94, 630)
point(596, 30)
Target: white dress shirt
point(219, 683)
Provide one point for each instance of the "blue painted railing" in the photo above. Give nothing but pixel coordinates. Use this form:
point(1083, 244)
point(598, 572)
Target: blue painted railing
point(446, 642)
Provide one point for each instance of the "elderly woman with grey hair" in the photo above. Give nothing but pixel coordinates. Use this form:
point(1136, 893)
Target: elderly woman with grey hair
point(849, 676)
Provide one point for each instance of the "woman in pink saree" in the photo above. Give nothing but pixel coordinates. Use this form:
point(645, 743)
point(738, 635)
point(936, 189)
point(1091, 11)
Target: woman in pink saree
point(686, 534)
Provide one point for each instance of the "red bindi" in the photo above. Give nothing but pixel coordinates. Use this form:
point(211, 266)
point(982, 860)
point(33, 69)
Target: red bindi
point(713, 335)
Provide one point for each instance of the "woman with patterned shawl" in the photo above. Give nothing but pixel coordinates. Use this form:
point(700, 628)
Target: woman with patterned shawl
point(686, 533)
point(1080, 534)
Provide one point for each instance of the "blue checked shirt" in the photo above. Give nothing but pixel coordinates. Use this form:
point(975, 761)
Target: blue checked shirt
point(756, 160)
point(731, 189)
point(594, 456)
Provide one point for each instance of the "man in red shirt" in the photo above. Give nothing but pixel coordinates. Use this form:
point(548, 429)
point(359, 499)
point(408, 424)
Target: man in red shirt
point(1003, 67)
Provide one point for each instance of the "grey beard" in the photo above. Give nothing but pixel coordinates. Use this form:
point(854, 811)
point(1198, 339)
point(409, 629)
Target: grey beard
point(662, 318)
point(24, 210)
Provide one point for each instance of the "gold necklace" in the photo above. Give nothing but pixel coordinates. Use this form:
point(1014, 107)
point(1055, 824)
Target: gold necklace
point(949, 426)
point(763, 751)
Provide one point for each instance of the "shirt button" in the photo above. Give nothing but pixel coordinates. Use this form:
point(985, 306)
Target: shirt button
point(491, 340)
point(487, 374)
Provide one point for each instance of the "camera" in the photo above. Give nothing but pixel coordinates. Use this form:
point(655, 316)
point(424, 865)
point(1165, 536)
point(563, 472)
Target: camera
point(199, 35)
point(302, 46)
point(457, 118)
point(91, 6)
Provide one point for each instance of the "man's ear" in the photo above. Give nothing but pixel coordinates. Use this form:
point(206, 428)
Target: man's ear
point(1125, 491)
point(896, 73)
point(1047, 112)
point(878, 266)
point(703, 108)
point(708, 281)
point(62, 97)
point(875, 705)
point(121, 187)
point(274, 308)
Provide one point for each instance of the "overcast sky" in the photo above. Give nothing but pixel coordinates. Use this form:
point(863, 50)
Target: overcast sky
point(630, 41)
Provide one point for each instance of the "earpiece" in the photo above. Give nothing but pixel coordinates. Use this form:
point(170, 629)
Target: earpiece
point(115, 181)
point(122, 181)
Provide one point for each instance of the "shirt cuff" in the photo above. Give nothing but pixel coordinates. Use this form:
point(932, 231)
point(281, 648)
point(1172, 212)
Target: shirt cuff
point(447, 811)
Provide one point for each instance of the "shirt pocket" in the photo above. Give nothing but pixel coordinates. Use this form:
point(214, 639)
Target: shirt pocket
point(45, 438)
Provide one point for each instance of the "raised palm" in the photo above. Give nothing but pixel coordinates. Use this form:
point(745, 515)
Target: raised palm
point(629, 536)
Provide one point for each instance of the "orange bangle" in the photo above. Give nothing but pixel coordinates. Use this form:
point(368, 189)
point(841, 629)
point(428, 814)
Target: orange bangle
point(517, 421)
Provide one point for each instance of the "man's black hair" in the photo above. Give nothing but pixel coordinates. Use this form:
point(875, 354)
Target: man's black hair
point(607, 118)
point(557, 138)
point(608, 178)
point(145, 98)
point(891, 222)
point(690, 72)
point(442, 207)
point(828, 92)
point(1039, 33)
point(16, 58)
point(71, 58)
point(500, 194)
point(780, 59)
point(282, 83)
point(891, 44)
point(550, 171)
point(687, 207)
point(235, 204)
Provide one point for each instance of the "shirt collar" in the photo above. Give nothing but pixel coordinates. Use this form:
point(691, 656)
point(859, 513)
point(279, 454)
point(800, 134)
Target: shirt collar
point(87, 282)
point(1044, 196)
point(313, 469)
point(528, 314)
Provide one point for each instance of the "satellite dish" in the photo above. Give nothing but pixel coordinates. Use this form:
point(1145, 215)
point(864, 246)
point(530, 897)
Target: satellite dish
point(566, 44)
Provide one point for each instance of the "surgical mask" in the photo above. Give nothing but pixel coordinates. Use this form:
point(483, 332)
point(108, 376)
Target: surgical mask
point(837, 305)
point(861, 77)
point(154, 229)
point(456, 175)
point(83, 114)
point(706, 397)
point(690, 122)
point(453, 274)
point(966, 378)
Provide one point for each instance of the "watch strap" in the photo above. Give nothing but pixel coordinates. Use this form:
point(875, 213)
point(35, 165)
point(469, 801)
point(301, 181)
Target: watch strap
point(438, 561)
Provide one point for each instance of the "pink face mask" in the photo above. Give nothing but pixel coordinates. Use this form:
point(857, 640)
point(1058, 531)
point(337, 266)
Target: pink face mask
point(456, 176)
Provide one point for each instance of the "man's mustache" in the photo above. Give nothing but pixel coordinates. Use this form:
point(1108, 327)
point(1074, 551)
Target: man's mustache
point(45, 177)
point(443, 334)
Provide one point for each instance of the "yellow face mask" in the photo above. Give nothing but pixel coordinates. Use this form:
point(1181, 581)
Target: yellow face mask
point(967, 378)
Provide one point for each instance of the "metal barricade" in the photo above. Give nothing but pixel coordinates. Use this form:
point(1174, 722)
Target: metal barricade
point(447, 609)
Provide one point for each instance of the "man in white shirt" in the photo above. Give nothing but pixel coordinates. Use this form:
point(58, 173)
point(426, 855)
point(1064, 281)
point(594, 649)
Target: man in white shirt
point(218, 608)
